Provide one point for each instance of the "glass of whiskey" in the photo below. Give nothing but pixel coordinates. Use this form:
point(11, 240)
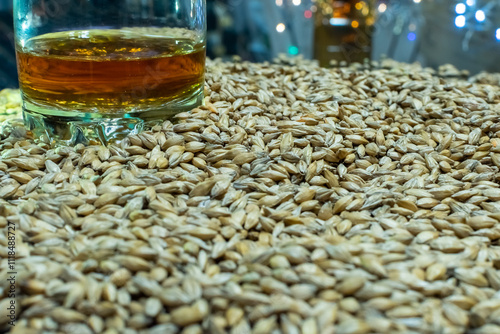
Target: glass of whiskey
point(94, 71)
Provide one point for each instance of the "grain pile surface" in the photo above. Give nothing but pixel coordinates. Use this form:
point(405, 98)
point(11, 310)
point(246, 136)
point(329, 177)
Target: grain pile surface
point(299, 199)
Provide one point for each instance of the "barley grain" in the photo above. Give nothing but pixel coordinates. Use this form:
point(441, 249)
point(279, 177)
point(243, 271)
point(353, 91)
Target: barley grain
point(296, 199)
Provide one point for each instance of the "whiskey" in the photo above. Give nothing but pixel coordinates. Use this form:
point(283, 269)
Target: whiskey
point(111, 71)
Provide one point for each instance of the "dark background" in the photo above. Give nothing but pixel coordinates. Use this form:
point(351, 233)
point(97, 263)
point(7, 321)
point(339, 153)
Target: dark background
point(404, 30)
point(8, 75)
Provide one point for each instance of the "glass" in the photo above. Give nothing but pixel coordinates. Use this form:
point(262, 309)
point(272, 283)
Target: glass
point(96, 70)
point(343, 32)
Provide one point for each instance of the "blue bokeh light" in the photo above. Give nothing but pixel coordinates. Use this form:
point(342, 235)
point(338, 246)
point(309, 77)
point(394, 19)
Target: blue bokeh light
point(460, 21)
point(460, 8)
point(293, 50)
point(480, 15)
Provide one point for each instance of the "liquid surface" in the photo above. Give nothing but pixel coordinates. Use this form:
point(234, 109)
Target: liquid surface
point(110, 70)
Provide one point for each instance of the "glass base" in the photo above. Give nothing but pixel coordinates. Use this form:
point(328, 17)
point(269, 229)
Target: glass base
point(74, 127)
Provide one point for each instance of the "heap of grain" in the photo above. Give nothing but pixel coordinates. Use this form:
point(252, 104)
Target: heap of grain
point(298, 199)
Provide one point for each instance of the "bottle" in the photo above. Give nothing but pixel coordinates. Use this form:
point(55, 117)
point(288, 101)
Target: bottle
point(343, 30)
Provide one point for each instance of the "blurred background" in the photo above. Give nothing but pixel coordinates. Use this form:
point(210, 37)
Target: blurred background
point(465, 33)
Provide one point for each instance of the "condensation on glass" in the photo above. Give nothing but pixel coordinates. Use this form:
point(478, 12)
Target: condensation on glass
point(97, 70)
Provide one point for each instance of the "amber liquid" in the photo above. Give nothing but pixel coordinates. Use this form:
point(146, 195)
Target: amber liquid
point(110, 71)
